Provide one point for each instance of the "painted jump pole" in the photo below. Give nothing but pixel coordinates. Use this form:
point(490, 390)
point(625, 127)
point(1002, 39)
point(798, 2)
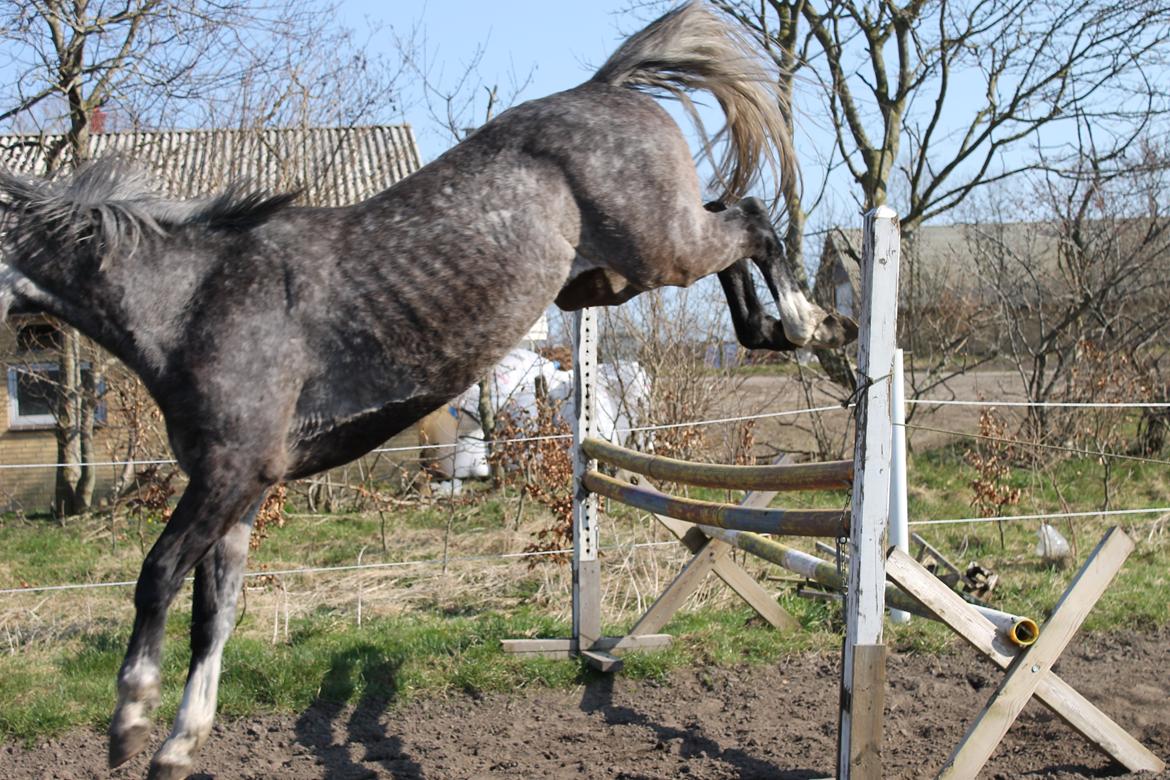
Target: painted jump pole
point(788, 522)
point(863, 665)
point(830, 475)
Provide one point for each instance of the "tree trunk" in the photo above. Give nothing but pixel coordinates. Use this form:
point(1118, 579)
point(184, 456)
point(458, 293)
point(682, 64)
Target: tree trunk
point(76, 407)
point(487, 421)
point(68, 423)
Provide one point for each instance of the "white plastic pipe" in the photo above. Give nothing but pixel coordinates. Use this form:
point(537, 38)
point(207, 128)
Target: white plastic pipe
point(899, 520)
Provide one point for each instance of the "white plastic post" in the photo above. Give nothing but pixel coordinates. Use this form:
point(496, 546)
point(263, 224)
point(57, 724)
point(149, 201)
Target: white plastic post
point(863, 663)
point(586, 567)
point(899, 516)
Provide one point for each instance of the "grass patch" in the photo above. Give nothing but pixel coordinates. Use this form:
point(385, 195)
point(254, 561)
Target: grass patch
point(429, 630)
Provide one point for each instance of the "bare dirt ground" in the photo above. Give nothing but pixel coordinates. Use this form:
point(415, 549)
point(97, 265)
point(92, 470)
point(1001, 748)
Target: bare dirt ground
point(770, 722)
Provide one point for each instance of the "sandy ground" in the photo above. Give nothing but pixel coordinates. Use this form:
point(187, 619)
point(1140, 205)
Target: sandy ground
point(769, 722)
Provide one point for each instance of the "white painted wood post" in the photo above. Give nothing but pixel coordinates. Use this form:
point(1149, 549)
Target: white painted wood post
point(586, 567)
point(899, 511)
point(863, 663)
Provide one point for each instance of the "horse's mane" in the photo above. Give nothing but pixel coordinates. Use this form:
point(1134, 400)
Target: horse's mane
point(111, 203)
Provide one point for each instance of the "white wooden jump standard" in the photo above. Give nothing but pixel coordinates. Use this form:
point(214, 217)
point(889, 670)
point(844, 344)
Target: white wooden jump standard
point(899, 505)
point(863, 664)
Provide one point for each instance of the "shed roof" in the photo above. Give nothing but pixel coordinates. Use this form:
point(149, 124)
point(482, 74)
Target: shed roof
point(333, 166)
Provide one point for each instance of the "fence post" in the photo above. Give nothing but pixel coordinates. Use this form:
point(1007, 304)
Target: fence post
point(899, 510)
point(863, 667)
point(586, 567)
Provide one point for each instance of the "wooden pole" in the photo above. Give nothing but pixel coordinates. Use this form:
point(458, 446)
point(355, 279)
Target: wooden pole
point(863, 662)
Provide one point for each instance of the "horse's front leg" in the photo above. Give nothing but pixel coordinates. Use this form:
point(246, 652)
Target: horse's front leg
point(218, 581)
point(754, 328)
point(199, 521)
point(805, 324)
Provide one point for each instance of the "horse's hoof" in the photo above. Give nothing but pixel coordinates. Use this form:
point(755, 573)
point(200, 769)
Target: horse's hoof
point(168, 769)
point(128, 743)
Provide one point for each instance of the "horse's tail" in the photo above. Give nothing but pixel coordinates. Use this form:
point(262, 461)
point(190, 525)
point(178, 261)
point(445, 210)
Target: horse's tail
point(693, 48)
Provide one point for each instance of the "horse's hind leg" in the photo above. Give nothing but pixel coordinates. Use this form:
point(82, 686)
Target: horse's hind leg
point(218, 580)
point(198, 522)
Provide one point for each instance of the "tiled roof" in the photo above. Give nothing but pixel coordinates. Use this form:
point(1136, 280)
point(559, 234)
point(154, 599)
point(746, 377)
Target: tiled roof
point(333, 166)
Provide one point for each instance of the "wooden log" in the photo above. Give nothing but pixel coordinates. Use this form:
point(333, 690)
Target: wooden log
point(832, 475)
point(800, 522)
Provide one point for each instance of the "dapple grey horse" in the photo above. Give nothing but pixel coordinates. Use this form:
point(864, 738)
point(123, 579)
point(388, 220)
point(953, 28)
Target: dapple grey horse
point(280, 341)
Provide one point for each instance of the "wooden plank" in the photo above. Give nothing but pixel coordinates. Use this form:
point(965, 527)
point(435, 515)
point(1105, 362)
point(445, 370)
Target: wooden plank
point(602, 661)
point(1056, 694)
point(565, 647)
point(544, 648)
point(869, 691)
point(681, 587)
point(740, 582)
point(938, 556)
point(756, 596)
point(828, 475)
point(1023, 677)
point(866, 586)
point(786, 522)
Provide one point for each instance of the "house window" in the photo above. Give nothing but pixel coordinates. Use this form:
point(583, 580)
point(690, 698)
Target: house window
point(32, 395)
point(38, 337)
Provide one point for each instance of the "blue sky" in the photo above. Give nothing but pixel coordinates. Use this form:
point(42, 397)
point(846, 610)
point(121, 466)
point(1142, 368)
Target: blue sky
point(559, 43)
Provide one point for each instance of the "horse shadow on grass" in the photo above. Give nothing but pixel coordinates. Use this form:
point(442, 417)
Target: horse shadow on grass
point(598, 698)
point(362, 738)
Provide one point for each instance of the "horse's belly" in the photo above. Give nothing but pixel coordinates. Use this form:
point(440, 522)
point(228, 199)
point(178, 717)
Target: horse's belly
point(321, 445)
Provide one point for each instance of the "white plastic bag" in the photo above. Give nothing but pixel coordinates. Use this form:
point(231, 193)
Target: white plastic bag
point(1052, 547)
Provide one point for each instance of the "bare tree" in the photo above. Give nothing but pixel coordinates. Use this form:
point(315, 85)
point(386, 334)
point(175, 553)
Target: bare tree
point(1081, 286)
point(933, 101)
point(81, 65)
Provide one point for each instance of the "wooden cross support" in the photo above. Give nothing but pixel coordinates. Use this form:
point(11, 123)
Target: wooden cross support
point(1029, 670)
point(710, 557)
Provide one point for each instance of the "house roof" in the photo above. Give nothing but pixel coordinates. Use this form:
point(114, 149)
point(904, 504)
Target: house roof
point(333, 166)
